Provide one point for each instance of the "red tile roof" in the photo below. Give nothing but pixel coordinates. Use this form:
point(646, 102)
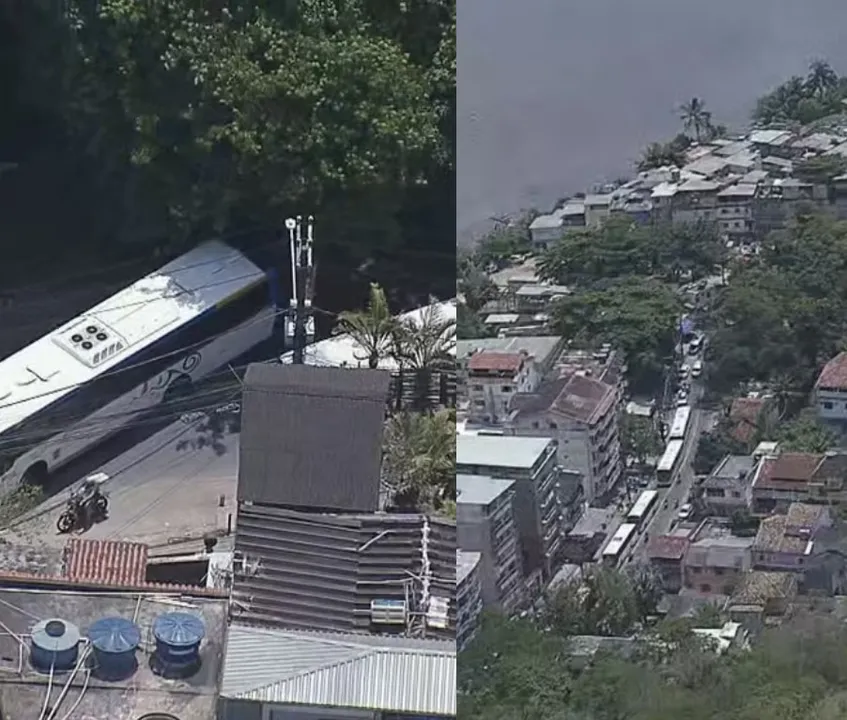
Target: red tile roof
point(834, 373)
point(106, 561)
point(495, 362)
point(667, 547)
point(787, 469)
point(583, 398)
point(744, 415)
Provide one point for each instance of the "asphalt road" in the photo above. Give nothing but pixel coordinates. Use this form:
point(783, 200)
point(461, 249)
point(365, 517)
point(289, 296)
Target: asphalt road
point(670, 498)
point(163, 490)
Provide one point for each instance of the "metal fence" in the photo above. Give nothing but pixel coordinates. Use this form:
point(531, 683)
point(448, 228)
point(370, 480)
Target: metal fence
point(422, 390)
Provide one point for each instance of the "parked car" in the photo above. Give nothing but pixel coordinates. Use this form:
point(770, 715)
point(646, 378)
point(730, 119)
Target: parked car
point(685, 511)
point(697, 369)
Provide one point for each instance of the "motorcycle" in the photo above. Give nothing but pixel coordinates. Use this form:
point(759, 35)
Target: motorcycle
point(86, 505)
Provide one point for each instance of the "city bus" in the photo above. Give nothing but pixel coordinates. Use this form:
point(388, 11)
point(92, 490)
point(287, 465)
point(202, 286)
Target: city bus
point(669, 463)
point(144, 346)
point(615, 548)
point(679, 425)
point(643, 507)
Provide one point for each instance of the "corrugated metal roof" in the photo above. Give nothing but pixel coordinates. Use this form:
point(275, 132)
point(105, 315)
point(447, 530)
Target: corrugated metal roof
point(338, 670)
point(321, 571)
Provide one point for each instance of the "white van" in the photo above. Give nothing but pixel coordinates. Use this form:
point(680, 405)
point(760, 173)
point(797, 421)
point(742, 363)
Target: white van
point(697, 369)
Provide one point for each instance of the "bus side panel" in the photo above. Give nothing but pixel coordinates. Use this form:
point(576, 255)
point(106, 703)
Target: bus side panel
point(119, 413)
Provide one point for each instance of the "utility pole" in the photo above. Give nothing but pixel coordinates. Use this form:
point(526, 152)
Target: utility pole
point(300, 325)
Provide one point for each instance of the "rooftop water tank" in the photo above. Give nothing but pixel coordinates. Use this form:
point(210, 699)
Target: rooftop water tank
point(178, 636)
point(54, 644)
point(114, 641)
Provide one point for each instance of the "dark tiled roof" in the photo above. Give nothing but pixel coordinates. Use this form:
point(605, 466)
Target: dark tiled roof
point(834, 373)
point(667, 547)
point(788, 468)
point(311, 437)
point(495, 362)
point(574, 396)
point(833, 465)
point(321, 572)
point(744, 415)
point(106, 561)
point(9, 578)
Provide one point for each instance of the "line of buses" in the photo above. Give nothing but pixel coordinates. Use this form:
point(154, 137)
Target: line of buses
point(669, 462)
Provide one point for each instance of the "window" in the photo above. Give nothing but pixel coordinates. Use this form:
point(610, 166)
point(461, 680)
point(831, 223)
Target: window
point(535, 425)
point(719, 571)
point(706, 588)
point(553, 426)
point(506, 388)
point(827, 405)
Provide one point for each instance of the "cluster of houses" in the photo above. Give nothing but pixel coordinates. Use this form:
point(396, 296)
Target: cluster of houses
point(774, 534)
point(748, 185)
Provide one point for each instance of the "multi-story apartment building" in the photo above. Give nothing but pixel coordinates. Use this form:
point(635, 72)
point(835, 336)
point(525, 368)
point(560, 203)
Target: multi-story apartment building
point(468, 596)
point(493, 379)
point(735, 212)
point(695, 201)
point(581, 414)
point(486, 524)
point(727, 488)
point(831, 391)
point(716, 560)
point(531, 462)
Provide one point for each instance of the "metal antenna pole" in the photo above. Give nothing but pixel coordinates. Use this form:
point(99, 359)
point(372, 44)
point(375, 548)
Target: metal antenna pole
point(301, 271)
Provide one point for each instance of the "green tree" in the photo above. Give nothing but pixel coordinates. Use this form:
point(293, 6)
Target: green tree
point(822, 79)
point(425, 343)
point(638, 315)
point(469, 326)
point(639, 437)
point(695, 118)
point(714, 446)
point(508, 236)
point(374, 329)
point(806, 433)
point(419, 460)
point(658, 155)
point(513, 671)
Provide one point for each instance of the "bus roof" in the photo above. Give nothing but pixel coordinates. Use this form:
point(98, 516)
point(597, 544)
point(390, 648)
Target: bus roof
point(619, 539)
point(92, 343)
point(343, 351)
point(680, 421)
point(670, 455)
point(643, 503)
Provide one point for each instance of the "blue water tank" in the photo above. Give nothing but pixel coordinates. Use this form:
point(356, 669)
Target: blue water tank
point(178, 636)
point(54, 643)
point(114, 641)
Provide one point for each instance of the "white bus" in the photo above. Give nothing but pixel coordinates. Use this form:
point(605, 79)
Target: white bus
point(669, 463)
point(643, 507)
point(679, 425)
point(89, 378)
point(615, 548)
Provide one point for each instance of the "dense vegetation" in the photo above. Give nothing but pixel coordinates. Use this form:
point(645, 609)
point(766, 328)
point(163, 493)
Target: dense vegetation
point(522, 669)
point(803, 100)
point(624, 279)
point(131, 130)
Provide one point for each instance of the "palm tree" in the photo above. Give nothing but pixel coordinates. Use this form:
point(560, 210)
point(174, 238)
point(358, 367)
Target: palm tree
point(695, 117)
point(425, 344)
point(419, 460)
point(821, 78)
point(373, 329)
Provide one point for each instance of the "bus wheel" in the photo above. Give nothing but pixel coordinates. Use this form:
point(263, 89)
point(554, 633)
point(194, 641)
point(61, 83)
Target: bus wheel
point(36, 475)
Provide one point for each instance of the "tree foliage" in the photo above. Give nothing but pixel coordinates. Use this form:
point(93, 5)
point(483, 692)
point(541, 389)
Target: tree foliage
point(518, 670)
point(806, 433)
point(803, 99)
point(782, 316)
point(184, 119)
point(640, 316)
point(639, 437)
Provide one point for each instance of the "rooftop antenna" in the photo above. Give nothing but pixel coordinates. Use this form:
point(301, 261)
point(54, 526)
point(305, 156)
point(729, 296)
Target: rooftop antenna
point(299, 323)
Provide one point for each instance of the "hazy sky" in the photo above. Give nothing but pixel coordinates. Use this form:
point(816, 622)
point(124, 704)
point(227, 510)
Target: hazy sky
point(554, 95)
